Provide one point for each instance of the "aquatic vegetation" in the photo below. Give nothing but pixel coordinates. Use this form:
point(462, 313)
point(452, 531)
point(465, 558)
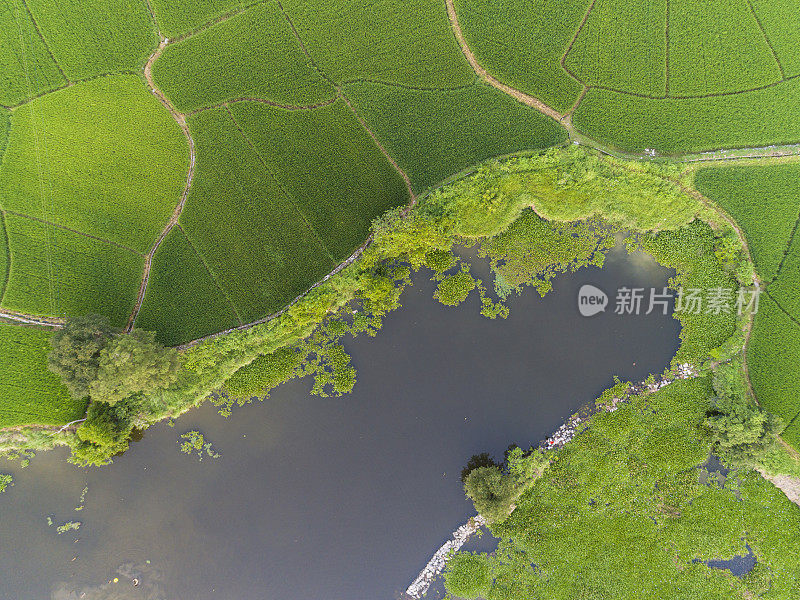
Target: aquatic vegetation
point(68, 526)
point(194, 443)
point(5, 481)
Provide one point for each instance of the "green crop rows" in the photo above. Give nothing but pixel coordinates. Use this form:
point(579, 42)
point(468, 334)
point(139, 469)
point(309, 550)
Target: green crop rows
point(253, 235)
point(406, 42)
point(521, 42)
point(251, 55)
point(433, 134)
point(176, 17)
point(782, 28)
point(183, 300)
point(94, 37)
point(60, 273)
point(716, 46)
point(764, 201)
point(26, 66)
point(101, 157)
point(620, 32)
point(29, 393)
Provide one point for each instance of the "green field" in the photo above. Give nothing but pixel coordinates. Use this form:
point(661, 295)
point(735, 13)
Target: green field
point(176, 17)
point(102, 157)
point(29, 393)
point(765, 201)
point(673, 126)
point(774, 349)
point(521, 42)
point(782, 29)
point(252, 234)
point(328, 164)
point(183, 300)
point(252, 55)
point(716, 46)
point(95, 37)
point(620, 32)
point(406, 42)
point(60, 273)
point(26, 66)
point(434, 134)
point(690, 77)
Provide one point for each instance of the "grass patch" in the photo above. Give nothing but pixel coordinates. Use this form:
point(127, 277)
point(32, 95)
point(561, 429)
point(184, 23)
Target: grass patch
point(26, 67)
point(254, 54)
point(407, 42)
point(29, 392)
point(521, 42)
point(716, 46)
point(175, 17)
point(434, 134)
point(93, 37)
point(59, 273)
point(621, 33)
point(774, 344)
point(248, 228)
point(756, 118)
point(183, 302)
point(101, 157)
point(329, 165)
point(764, 200)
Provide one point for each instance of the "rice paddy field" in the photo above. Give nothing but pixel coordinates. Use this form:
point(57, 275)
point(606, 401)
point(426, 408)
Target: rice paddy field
point(26, 381)
point(192, 166)
point(765, 201)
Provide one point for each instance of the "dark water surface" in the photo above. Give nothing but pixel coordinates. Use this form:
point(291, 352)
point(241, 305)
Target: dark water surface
point(329, 498)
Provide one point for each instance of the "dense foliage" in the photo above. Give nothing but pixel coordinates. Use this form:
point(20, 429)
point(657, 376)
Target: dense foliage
point(76, 351)
point(620, 513)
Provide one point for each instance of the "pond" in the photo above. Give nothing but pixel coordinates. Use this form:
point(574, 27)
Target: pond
point(330, 498)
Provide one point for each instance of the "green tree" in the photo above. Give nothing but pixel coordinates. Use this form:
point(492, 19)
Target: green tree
point(133, 364)
point(468, 576)
point(104, 434)
point(492, 491)
point(75, 354)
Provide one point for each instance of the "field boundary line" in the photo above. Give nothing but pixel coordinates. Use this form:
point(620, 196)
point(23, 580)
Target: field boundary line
point(67, 85)
point(211, 273)
point(405, 86)
point(7, 278)
point(563, 60)
point(44, 41)
point(766, 37)
point(491, 80)
point(291, 107)
point(766, 86)
point(340, 91)
point(180, 119)
point(786, 252)
point(384, 151)
point(215, 21)
point(75, 231)
point(153, 17)
point(25, 318)
point(794, 319)
point(289, 196)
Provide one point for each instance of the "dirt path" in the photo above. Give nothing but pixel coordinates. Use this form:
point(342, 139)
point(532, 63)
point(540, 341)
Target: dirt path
point(180, 119)
point(485, 76)
point(26, 319)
